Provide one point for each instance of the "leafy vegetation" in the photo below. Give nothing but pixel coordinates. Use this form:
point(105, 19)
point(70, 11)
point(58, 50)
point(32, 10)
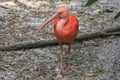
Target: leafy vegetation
point(117, 15)
point(90, 2)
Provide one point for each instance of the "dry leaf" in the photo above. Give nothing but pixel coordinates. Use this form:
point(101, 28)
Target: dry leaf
point(88, 74)
point(5, 43)
point(91, 18)
point(98, 70)
point(8, 4)
point(82, 78)
point(59, 77)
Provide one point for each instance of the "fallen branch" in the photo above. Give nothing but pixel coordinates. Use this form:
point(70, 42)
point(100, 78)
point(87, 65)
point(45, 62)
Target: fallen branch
point(36, 44)
point(113, 29)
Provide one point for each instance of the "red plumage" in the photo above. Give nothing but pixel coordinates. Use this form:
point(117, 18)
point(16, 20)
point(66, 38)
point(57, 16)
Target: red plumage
point(69, 31)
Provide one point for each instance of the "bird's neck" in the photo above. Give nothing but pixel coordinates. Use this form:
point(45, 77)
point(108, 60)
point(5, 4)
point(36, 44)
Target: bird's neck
point(61, 24)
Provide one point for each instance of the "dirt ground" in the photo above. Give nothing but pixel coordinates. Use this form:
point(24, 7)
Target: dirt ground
point(97, 59)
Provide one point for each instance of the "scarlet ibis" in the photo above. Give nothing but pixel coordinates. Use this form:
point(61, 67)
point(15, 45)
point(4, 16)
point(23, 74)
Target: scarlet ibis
point(65, 30)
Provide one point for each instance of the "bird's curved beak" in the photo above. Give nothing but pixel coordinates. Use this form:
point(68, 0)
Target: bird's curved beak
point(46, 22)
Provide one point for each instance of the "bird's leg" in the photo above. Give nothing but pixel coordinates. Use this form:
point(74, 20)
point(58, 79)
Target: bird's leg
point(69, 49)
point(69, 65)
point(61, 56)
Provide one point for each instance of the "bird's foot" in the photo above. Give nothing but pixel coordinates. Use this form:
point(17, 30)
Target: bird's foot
point(70, 67)
point(61, 70)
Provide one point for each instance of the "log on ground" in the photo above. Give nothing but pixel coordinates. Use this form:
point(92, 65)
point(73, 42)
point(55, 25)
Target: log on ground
point(42, 43)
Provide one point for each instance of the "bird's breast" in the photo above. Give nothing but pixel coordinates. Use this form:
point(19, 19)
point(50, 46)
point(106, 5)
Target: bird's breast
point(66, 31)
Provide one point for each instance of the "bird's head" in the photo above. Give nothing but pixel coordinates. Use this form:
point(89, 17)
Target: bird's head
point(60, 13)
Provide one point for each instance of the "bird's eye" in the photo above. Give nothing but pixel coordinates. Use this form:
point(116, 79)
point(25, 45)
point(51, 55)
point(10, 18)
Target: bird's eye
point(60, 13)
